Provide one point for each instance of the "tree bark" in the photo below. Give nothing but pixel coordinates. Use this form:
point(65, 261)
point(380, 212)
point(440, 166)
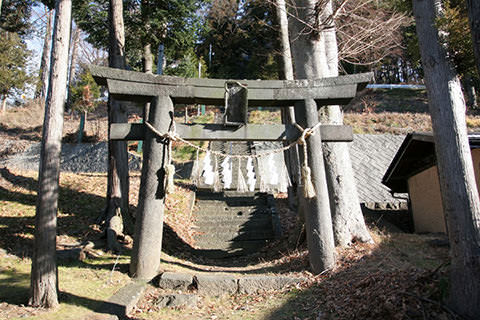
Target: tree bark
point(147, 68)
point(44, 282)
point(473, 7)
point(285, 40)
point(288, 115)
point(44, 65)
point(348, 222)
point(147, 247)
point(457, 180)
point(73, 65)
point(320, 60)
point(4, 103)
point(117, 214)
point(147, 59)
point(309, 58)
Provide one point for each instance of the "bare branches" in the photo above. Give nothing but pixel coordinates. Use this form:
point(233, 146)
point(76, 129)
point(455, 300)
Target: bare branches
point(366, 32)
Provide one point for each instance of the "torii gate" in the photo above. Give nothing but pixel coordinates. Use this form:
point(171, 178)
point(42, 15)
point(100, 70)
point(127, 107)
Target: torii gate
point(164, 92)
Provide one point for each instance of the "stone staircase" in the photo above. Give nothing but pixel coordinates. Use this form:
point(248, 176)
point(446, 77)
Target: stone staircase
point(231, 224)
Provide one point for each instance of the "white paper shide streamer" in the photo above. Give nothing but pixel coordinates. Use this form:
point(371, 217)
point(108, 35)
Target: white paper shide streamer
point(227, 172)
point(208, 173)
point(241, 183)
point(251, 180)
point(272, 173)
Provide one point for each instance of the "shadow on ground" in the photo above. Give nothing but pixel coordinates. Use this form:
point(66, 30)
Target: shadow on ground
point(31, 134)
point(17, 235)
point(402, 278)
point(75, 221)
point(13, 293)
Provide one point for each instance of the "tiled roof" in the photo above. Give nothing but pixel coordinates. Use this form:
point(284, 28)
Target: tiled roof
point(371, 154)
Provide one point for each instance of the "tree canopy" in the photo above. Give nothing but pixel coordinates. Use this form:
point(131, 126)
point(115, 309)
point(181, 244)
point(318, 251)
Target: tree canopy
point(15, 16)
point(176, 24)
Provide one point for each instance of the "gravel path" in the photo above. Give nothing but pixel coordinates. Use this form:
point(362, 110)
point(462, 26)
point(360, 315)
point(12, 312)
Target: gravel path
point(83, 157)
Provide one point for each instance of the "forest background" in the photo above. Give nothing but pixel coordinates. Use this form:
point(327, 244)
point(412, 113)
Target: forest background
point(222, 39)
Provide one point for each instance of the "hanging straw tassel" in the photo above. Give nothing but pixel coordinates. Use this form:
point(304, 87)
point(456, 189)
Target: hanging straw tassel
point(169, 172)
point(241, 184)
point(308, 189)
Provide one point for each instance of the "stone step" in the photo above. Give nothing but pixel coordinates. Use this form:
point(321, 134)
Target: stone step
point(232, 215)
point(227, 225)
point(241, 246)
point(220, 204)
point(224, 210)
point(239, 222)
point(234, 236)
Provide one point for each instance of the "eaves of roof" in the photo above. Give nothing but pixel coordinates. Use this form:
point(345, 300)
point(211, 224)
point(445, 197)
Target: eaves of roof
point(416, 154)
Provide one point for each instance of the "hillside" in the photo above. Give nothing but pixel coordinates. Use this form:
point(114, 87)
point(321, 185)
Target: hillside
point(396, 111)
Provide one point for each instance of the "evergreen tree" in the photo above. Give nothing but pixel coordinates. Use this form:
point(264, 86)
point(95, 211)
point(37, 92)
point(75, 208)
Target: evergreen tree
point(243, 37)
point(15, 16)
point(13, 63)
point(174, 23)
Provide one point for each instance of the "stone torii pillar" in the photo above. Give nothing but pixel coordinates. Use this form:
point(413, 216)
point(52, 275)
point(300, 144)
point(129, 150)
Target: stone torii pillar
point(147, 247)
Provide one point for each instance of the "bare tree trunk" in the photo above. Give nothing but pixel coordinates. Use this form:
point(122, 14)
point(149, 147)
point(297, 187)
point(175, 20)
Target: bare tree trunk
point(147, 59)
point(285, 40)
point(117, 215)
point(457, 180)
point(309, 55)
point(288, 115)
point(44, 65)
point(73, 65)
point(44, 282)
point(4, 103)
point(474, 18)
point(347, 217)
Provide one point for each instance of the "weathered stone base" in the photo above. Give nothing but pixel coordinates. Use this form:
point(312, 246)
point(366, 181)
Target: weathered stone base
point(221, 284)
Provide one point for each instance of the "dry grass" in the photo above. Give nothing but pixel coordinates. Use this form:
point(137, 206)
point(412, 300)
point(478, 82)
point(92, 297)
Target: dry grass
point(399, 277)
point(368, 277)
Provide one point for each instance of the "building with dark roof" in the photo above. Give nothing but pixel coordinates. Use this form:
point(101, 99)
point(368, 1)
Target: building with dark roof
point(413, 170)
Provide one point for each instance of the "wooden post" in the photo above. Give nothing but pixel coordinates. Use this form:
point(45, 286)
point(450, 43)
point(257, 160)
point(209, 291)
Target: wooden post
point(149, 221)
point(318, 220)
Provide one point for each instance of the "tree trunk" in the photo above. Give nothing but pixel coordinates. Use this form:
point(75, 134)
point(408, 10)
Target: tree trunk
point(470, 94)
point(348, 222)
point(474, 18)
point(4, 103)
point(44, 282)
point(288, 115)
point(147, 247)
point(44, 65)
point(147, 59)
point(117, 215)
point(457, 180)
point(319, 61)
point(147, 68)
point(308, 55)
point(73, 65)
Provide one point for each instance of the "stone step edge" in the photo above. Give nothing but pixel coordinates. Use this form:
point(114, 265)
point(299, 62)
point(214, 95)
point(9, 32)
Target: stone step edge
point(221, 284)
